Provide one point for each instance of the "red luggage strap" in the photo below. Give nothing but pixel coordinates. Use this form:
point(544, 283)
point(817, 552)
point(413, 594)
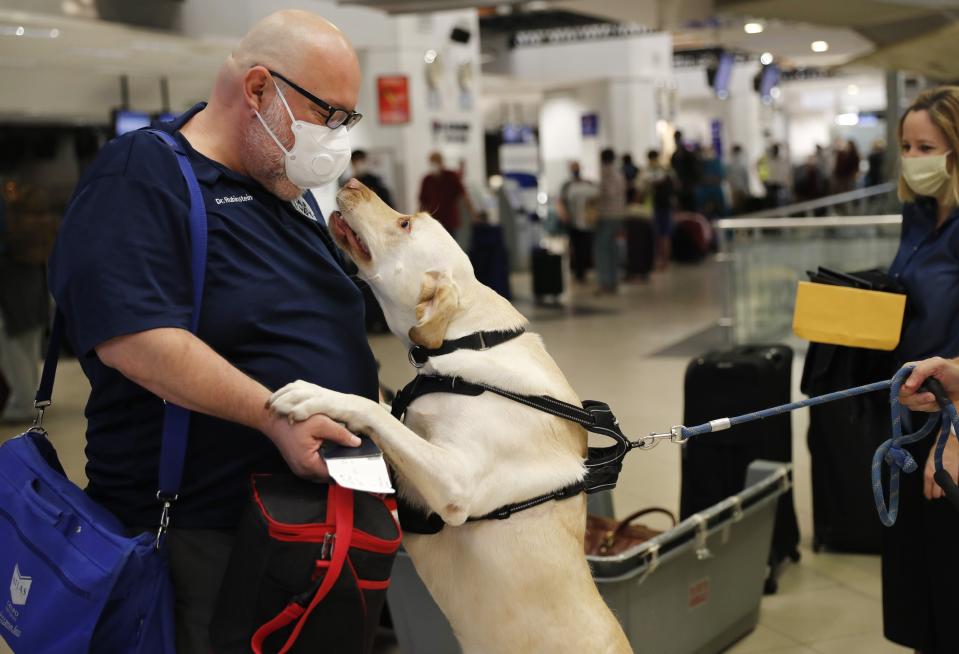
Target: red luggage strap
point(342, 499)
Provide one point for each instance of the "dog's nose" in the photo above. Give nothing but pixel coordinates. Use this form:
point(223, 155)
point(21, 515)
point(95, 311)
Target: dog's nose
point(353, 183)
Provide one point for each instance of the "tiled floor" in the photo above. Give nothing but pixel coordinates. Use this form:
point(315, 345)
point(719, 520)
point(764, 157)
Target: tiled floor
point(826, 604)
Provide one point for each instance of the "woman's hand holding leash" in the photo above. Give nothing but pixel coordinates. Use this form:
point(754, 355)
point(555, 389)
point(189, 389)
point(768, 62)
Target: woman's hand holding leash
point(945, 370)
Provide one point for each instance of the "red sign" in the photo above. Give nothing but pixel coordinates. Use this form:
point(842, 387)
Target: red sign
point(393, 93)
point(698, 593)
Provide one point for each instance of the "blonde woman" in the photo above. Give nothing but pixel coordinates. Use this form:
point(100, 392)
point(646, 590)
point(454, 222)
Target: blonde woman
point(919, 568)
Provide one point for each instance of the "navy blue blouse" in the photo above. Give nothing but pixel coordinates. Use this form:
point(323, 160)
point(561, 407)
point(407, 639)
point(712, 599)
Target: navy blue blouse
point(927, 264)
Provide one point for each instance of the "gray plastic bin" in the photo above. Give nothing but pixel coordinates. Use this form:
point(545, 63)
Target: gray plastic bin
point(420, 626)
point(694, 589)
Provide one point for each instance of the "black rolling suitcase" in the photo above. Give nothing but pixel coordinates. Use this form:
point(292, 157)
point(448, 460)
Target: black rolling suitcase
point(547, 274)
point(843, 436)
point(640, 247)
point(725, 383)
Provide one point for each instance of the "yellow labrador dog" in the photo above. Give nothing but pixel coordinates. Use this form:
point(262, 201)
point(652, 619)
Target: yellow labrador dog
point(506, 586)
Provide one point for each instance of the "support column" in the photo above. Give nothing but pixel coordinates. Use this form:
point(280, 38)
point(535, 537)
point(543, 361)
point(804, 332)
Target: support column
point(894, 102)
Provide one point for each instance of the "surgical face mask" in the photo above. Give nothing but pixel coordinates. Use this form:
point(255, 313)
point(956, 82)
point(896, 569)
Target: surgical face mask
point(926, 175)
point(319, 154)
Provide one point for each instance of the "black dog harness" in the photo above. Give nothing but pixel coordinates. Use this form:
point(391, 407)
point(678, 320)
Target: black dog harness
point(419, 355)
point(603, 464)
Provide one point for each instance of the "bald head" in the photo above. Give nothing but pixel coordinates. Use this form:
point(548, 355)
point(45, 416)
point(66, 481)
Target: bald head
point(306, 49)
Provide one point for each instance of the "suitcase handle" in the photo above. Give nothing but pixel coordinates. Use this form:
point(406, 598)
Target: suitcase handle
point(622, 526)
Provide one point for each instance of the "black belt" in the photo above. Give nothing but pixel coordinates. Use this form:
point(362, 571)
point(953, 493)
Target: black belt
point(603, 464)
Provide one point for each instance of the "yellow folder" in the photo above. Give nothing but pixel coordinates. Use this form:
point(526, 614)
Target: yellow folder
point(848, 316)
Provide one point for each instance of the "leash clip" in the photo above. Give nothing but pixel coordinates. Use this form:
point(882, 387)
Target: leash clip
point(674, 435)
point(168, 501)
point(651, 441)
point(40, 406)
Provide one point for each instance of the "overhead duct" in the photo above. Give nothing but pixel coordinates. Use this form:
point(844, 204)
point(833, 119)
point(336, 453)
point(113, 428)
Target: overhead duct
point(156, 14)
point(419, 6)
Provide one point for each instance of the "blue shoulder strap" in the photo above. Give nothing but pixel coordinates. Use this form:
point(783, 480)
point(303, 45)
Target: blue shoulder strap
point(176, 420)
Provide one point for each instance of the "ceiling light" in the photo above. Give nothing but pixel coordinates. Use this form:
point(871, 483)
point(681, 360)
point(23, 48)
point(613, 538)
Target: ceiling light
point(753, 28)
point(852, 89)
point(766, 58)
point(430, 56)
point(847, 120)
point(819, 46)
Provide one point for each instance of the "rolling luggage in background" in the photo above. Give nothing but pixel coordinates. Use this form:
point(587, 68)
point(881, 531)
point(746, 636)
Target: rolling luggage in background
point(490, 259)
point(692, 237)
point(547, 273)
point(725, 383)
point(640, 247)
point(842, 438)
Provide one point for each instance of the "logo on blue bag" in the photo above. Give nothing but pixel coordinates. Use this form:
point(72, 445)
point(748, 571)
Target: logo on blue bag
point(19, 587)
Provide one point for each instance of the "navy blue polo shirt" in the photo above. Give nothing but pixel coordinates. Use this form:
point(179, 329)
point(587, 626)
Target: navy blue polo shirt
point(276, 304)
point(927, 264)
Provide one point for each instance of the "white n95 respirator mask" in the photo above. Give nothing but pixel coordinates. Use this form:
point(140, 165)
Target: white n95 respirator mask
point(319, 154)
point(926, 175)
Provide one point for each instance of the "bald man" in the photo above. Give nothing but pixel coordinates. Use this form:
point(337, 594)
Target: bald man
point(277, 305)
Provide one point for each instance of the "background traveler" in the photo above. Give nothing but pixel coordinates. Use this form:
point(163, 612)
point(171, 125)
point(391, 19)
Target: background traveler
point(611, 211)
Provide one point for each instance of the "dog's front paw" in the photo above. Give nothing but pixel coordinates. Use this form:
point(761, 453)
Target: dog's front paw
point(300, 400)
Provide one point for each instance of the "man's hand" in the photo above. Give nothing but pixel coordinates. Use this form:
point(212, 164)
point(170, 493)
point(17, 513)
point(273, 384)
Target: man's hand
point(945, 370)
point(299, 442)
point(950, 463)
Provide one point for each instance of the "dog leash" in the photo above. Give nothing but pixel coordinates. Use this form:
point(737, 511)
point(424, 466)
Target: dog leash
point(604, 464)
point(891, 452)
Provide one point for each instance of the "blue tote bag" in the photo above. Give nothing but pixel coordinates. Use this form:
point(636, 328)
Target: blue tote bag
point(78, 581)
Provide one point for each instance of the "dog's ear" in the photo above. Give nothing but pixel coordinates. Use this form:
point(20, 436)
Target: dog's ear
point(439, 299)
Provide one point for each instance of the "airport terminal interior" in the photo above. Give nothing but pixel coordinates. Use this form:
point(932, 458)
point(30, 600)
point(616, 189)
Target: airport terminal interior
point(668, 190)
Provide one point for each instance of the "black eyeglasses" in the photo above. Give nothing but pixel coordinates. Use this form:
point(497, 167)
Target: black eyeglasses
point(335, 115)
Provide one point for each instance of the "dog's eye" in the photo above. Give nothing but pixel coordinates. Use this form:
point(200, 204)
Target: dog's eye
point(405, 224)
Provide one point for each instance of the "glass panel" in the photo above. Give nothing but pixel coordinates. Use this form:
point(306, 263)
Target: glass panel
point(764, 259)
